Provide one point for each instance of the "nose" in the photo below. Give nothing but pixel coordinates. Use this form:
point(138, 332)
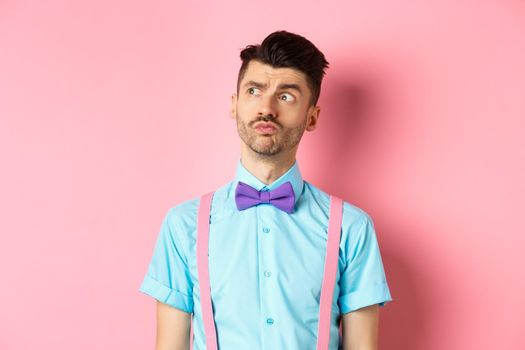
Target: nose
point(267, 106)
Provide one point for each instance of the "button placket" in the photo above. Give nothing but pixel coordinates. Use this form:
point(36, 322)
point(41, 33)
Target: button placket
point(268, 311)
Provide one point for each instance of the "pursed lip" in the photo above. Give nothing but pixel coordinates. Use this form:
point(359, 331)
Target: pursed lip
point(265, 126)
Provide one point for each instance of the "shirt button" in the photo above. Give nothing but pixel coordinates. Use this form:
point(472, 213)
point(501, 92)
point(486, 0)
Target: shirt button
point(266, 229)
point(267, 273)
point(269, 321)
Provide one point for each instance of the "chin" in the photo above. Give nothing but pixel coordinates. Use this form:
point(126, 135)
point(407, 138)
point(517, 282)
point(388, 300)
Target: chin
point(267, 151)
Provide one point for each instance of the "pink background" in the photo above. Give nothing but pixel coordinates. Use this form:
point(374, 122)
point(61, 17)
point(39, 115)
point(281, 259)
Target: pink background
point(113, 111)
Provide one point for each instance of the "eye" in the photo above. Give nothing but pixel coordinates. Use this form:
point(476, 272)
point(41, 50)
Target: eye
point(286, 97)
point(254, 91)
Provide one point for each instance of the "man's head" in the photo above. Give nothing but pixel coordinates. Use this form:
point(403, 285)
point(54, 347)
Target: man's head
point(277, 91)
point(283, 49)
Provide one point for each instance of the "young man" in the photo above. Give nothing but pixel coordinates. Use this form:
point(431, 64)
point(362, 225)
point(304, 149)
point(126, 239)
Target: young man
point(266, 259)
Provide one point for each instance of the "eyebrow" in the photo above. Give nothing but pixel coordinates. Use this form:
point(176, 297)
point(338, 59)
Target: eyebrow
point(283, 86)
point(290, 86)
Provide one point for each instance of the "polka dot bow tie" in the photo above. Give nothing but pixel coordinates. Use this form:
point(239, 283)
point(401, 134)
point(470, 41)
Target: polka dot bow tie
point(281, 197)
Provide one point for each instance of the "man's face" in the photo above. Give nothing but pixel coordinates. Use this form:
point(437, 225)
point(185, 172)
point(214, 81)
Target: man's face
point(272, 108)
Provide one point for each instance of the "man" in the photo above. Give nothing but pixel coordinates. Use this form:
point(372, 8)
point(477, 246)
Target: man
point(266, 260)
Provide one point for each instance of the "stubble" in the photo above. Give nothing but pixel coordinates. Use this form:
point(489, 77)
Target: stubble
point(269, 145)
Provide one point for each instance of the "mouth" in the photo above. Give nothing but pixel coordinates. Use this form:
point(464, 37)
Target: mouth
point(265, 128)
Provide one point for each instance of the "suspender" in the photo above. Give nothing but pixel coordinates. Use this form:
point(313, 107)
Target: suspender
point(330, 271)
point(203, 230)
point(327, 289)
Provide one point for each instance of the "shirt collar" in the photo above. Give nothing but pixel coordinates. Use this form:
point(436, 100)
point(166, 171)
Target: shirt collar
point(293, 174)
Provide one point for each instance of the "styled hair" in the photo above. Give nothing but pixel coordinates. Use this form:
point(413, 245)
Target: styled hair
point(282, 49)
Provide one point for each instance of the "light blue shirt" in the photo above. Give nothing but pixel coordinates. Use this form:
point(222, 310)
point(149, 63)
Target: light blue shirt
point(266, 266)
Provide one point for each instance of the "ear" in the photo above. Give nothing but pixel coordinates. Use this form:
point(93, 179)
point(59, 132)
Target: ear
point(233, 110)
point(313, 116)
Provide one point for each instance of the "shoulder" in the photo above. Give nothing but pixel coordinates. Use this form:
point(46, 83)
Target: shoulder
point(179, 224)
point(358, 233)
point(356, 225)
point(352, 214)
point(183, 216)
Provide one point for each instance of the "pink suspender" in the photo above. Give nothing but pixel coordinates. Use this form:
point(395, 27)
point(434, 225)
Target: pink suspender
point(330, 271)
point(203, 229)
point(327, 290)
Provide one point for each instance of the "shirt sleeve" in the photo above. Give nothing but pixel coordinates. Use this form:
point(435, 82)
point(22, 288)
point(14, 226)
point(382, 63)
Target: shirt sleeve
point(363, 281)
point(168, 277)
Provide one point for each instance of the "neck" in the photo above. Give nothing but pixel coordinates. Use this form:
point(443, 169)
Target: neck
point(267, 168)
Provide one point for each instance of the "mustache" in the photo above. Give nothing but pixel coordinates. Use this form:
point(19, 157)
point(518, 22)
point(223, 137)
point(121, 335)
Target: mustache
point(266, 118)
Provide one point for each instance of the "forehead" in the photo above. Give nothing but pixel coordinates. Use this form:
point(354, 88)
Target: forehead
point(261, 72)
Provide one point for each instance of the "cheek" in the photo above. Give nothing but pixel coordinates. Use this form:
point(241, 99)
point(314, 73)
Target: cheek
point(246, 107)
point(293, 116)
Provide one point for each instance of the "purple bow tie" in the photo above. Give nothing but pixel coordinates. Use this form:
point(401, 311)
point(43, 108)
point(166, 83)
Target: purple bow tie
point(282, 197)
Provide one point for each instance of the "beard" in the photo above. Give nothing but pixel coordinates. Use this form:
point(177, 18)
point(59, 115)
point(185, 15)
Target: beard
point(269, 145)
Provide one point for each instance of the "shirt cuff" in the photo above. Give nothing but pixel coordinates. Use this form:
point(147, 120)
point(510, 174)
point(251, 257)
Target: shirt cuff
point(375, 294)
point(166, 295)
